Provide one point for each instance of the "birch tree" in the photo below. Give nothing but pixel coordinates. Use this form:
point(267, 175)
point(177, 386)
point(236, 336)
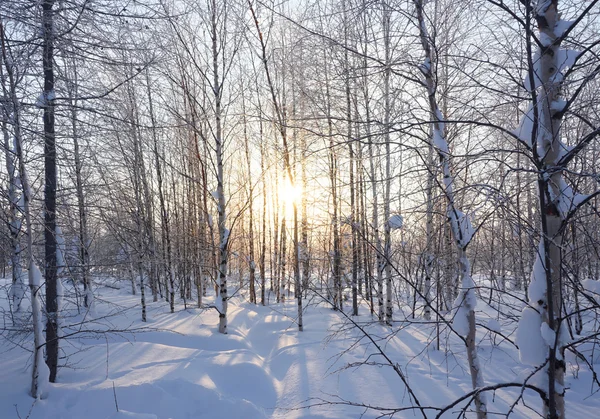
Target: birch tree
point(461, 228)
point(541, 333)
point(40, 372)
point(17, 290)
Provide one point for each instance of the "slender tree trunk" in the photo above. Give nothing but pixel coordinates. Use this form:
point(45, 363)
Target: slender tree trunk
point(251, 263)
point(276, 266)
point(83, 244)
point(545, 90)
point(17, 291)
point(376, 237)
point(333, 176)
point(576, 280)
point(458, 221)
point(304, 241)
point(263, 250)
point(139, 202)
point(428, 254)
point(353, 221)
point(388, 172)
point(283, 256)
point(223, 231)
point(40, 371)
point(47, 102)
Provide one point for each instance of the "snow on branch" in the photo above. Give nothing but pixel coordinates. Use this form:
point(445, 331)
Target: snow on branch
point(396, 222)
point(461, 226)
point(45, 98)
point(464, 303)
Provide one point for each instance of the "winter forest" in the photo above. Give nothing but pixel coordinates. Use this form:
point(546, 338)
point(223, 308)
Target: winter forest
point(300, 209)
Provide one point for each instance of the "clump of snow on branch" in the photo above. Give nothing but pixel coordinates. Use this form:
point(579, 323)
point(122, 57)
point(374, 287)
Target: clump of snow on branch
point(439, 142)
point(225, 237)
point(494, 325)
point(440, 120)
point(537, 71)
point(541, 7)
point(426, 66)
point(537, 286)
point(567, 200)
point(396, 222)
point(545, 39)
point(592, 286)
point(525, 130)
point(439, 128)
point(35, 277)
point(533, 350)
point(561, 27)
point(566, 58)
point(548, 334)
point(558, 105)
point(461, 226)
point(465, 302)
point(43, 99)
point(60, 251)
point(534, 336)
point(564, 338)
point(60, 267)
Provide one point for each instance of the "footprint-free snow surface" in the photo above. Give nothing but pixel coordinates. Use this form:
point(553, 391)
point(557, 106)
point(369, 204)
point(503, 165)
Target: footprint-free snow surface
point(178, 366)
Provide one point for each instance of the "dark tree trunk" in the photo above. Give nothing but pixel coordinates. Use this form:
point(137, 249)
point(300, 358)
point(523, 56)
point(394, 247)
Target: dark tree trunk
point(50, 190)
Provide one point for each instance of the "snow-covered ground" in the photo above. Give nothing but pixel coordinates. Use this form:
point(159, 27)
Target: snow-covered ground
point(178, 366)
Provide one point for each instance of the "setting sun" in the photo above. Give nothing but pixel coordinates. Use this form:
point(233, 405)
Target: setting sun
point(290, 194)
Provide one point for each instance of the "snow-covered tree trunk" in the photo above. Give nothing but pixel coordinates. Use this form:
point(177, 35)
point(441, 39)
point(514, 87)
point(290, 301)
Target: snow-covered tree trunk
point(40, 373)
point(540, 336)
point(219, 150)
point(17, 290)
point(462, 231)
